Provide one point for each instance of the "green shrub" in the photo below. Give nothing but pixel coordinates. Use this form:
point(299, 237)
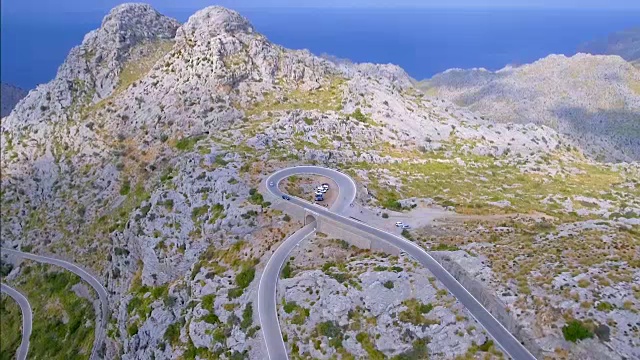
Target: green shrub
point(247, 317)
point(605, 306)
point(199, 211)
point(488, 344)
point(211, 318)
point(188, 143)
point(369, 347)
point(392, 204)
point(125, 188)
point(418, 352)
point(358, 115)
point(301, 316)
point(256, 198)
point(207, 301)
point(172, 334)
point(286, 270)
point(290, 306)
point(132, 329)
point(332, 331)
point(235, 293)
point(5, 268)
point(388, 284)
point(245, 277)
point(575, 330)
point(415, 311)
point(444, 247)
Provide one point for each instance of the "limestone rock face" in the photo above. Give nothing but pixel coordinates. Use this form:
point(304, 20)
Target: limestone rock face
point(213, 21)
point(106, 49)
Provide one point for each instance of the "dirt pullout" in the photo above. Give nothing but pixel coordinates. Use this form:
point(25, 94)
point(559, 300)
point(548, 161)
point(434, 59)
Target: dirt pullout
point(303, 186)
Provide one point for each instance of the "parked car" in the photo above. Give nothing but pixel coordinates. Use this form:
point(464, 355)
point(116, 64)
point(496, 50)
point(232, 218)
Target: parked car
point(321, 189)
point(399, 224)
point(325, 186)
point(319, 198)
point(318, 192)
point(286, 197)
point(405, 226)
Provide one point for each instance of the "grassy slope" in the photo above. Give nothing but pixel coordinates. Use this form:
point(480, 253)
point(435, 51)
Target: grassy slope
point(63, 325)
point(11, 325)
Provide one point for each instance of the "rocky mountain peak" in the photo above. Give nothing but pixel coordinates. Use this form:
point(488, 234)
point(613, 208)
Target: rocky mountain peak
point(127, 25)
point(214, 21)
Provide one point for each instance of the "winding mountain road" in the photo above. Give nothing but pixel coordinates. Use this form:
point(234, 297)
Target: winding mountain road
point(27, 319)
point(101, 321)
point(267, 304)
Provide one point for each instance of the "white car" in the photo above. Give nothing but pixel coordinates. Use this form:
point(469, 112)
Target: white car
point(405, 226)
point(318, 192)
point(399, 224)
point(325, 186)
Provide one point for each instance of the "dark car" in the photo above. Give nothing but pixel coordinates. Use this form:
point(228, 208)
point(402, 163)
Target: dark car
point(286, 197)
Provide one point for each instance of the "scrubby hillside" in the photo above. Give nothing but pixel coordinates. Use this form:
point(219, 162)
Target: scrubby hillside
point(141, 159)
point(9, 96)
point(593, 99)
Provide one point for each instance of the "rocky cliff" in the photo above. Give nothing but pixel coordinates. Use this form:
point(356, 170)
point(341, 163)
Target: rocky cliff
point(10, 95)
point(141, 159)
point(593, 99)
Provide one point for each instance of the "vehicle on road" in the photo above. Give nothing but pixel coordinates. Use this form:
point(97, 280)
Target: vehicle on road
point(286, 197)
point(271, 183)
point(399, 224)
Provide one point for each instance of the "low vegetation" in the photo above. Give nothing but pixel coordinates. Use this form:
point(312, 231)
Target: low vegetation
point(65, 323)
point(11, 325)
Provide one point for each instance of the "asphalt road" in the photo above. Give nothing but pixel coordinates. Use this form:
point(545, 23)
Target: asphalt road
point(500, 334)
point(101, 322)
point(27, 319)
point(267, 303)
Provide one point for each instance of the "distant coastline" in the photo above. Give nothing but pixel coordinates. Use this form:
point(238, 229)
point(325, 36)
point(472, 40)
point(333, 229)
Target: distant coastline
point(422, 41)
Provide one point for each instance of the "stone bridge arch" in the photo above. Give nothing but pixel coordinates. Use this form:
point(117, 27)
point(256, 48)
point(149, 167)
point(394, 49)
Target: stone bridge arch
point(310, 218)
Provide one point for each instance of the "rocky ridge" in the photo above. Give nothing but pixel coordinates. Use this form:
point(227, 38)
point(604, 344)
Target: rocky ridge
point(593, 99)
point(625, 44)
point(10, 96)
point(149, 144)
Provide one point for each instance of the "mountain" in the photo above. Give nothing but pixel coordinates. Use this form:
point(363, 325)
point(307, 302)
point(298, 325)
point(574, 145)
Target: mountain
point(625, 44)
point(10, 96)
point(593, 99)
point(142, 162)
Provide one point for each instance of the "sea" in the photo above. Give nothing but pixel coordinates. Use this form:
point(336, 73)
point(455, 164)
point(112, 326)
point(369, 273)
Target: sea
point(422, 41)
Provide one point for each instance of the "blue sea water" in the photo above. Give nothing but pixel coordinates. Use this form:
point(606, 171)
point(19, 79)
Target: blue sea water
point(422, 41)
